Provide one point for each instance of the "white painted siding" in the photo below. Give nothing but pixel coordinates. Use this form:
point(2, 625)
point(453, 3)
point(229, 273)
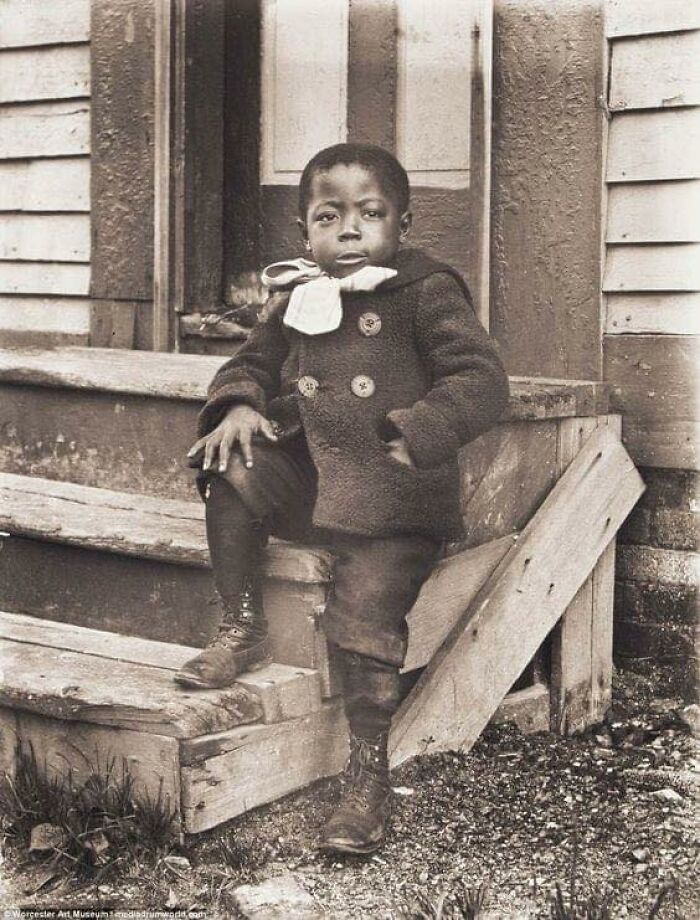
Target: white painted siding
point(44, 171)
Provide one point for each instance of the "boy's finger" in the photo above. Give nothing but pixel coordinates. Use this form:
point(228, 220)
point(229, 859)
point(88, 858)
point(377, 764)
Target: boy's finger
point(224, 455)
point(210, 451)
point(267, 428)
point(244, 440)
point(197, 447)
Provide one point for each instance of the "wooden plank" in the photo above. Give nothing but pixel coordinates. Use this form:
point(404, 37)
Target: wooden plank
point(552, 397)
point(602, 634)
point(45, 185)
point(44, 129)
point(227, 775)
point(666, 212)
point(675, 267)
point(528, 709)
point(505, 476)
point(652, 314)
point(35, 22)
point(113, 323)
point(45, 314)
point(133, 524)
point(45, 237)
point(121, 139)
point(372, 73)
point(478, 662)
point(67, 279)
point(671, 443)
point(446, 594)
point(640, 17)
point(646, 146)
point(58, 72)
point(75, 687)
point(655, 72)
point(152, 760)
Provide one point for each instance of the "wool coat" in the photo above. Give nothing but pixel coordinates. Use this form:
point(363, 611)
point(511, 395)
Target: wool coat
point(409, 358)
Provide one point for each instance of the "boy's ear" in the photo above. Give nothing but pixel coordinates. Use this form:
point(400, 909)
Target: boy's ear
point(405, 222)
point(301, 224)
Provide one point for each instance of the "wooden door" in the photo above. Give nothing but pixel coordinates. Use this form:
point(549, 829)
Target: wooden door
point(412, 76)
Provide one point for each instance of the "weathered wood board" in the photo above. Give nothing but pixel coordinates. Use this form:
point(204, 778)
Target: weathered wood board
point(267, 761)
point(45, 185)
point(670, 443)
point(44, 278)
point(35, 22)
point(653, 314)
point(640, 17)
point(45, 237)
point(658, 212)
point(649, 146)
point(654, 267)
point(655, 71)
point(71, 686)
point(56, 72)
point(45, 314)
point(44, 129)
point(524, 597)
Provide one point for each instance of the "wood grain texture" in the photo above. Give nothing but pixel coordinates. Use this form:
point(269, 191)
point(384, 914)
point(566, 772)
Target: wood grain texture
point(45, 185)
point(478, 662)
point(446, 594)
point(658, 212)
point(152, 760)
point(35, 22)
point(674, 267)
point(641, 17)
point(528, 709)
point(132, 524)
point(651, 145)
point(653, 314)
point(670, 444)
point(58, 72)
point(653, 379)
point(45, 237)
point(44, 129)
point(656, 71)
point(226, 775)
point(66, 315)
point(76, 687)
point(44, 278)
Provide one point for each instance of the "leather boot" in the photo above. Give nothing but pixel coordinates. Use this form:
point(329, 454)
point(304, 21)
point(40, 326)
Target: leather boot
point(241, 645)
point(358, 824)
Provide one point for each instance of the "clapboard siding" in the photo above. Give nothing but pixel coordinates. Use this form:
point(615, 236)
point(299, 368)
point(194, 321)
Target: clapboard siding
point(45, 237)
point(44, 172)
point(651, 277)
point(641, 17)
point(655, 71)
point(27, 23)
point(45, 185)
point(654, 145)
point(61, 72)
point(639, 314)
point(44, 129)
point(656, 212)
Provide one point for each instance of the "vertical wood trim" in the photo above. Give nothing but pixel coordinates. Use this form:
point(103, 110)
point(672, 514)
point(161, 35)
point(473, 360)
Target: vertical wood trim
point(372, 72)
point(480, 156)
point(162, 185)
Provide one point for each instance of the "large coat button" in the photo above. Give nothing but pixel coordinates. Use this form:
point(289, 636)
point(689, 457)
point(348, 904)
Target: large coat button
point(307, 386)
point(362, 386)
point(369, 324)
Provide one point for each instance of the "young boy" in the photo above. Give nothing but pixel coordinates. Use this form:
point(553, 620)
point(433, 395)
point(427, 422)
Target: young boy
point(339, 421)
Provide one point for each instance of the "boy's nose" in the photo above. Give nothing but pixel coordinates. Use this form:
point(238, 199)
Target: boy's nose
point(349, 229)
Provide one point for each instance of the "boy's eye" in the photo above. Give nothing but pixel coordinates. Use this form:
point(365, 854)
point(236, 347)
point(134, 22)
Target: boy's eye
point(326, 218)
point(372, 212)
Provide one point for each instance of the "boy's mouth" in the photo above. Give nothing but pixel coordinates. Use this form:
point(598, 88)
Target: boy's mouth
point(351, 258)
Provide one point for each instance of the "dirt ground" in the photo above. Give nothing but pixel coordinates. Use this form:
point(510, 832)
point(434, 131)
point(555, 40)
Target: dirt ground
point(612, 812)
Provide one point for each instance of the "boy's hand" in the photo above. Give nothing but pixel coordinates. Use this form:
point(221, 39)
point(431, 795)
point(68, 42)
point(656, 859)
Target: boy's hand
point(238, 426)
point(398, 450)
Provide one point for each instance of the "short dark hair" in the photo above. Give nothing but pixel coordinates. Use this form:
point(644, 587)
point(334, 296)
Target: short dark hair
point(389, 172)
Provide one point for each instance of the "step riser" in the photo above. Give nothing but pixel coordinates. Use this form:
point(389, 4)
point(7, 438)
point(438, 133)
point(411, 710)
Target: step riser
point(150, 599)
point(113, 441)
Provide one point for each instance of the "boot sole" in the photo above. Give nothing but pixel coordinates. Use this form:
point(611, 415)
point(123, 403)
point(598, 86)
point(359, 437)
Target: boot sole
point(348, 848)
point(196, 682)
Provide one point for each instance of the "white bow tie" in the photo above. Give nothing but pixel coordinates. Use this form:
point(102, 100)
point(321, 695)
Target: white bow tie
point(315, 304)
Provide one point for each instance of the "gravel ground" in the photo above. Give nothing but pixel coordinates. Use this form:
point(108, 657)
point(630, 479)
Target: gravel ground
point(613, 810)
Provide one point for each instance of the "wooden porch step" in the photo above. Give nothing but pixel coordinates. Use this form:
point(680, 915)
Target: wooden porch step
point(82, 698)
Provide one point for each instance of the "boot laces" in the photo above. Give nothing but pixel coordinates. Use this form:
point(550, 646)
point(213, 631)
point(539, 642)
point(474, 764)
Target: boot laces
point(242, 624)
point(365, 775)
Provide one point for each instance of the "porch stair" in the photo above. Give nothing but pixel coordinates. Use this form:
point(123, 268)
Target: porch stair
point(104, 561)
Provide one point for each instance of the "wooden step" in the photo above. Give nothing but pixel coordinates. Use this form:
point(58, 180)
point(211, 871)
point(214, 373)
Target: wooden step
point(124, 420)
point(82, 698)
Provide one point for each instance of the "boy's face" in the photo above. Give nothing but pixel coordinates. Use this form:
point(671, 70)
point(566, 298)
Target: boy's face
point(351, 221)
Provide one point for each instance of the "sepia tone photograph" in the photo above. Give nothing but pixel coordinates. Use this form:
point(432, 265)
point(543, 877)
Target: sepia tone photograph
point(349, 459)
